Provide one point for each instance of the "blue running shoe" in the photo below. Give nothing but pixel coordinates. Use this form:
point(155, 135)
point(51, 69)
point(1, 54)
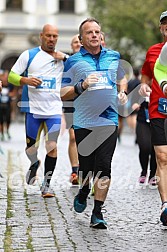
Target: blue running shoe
point(163, 217)
point(98, 222)
point(78, 207)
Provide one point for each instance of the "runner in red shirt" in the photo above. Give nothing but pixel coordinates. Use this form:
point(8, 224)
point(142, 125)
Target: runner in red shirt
point(150, 87)
point(148, 75)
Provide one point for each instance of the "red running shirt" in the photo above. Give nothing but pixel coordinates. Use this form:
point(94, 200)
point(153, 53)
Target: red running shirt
point(148, 69)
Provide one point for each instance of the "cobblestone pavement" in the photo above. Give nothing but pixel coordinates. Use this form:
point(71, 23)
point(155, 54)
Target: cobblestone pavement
point(30, 223)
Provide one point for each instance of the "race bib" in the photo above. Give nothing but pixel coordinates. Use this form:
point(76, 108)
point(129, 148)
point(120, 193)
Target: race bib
point(4, 96)
point(4, 99)
point(47, 83)
point(104, 81)
point(162, 106)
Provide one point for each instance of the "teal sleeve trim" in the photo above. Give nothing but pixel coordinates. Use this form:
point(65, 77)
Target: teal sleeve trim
point(14, 78)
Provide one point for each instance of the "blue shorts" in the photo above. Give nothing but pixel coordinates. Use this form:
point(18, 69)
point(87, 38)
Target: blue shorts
point(36, 123)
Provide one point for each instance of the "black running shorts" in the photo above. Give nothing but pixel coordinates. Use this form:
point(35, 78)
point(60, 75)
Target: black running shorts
point(159, 131)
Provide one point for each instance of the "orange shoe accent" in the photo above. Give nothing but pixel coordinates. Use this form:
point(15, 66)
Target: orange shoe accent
point(48, 195)
point(74, 179)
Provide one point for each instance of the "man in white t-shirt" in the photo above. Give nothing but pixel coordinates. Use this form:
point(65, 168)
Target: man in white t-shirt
point(39, 71)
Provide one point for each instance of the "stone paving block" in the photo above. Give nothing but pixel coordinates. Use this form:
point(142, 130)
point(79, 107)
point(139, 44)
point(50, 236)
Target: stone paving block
point(1, 245)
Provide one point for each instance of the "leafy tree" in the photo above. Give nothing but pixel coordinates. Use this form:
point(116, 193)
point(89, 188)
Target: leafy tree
point(130, 26)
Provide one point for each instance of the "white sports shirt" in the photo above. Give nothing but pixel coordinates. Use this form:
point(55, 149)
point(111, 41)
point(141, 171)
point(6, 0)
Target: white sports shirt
point(45, 99)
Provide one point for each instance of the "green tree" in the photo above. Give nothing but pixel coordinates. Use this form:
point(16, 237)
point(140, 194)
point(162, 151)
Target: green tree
point(130, 26)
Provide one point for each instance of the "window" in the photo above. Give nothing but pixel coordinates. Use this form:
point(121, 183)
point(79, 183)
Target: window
point(67, 6)
point(14, 5)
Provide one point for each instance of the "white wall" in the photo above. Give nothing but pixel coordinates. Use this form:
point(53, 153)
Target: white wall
point(29, 6)
point(2, 5)
point(52, 6)
point(80, 6)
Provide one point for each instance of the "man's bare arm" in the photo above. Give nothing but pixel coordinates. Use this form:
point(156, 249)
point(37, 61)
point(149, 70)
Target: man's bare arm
point(146, 80)
point(67, 93)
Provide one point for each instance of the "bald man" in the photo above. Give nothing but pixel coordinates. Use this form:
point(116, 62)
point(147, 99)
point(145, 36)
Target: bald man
point(42, 67)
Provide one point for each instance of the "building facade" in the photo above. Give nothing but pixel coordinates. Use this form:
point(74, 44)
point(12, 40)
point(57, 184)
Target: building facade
point(22, 20)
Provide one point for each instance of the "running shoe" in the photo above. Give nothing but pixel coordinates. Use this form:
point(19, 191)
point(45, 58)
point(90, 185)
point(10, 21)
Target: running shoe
point(46, 191)
point(142, 179)
point(163, 217)
point(152, 181)
point(32, 173)
point(79, 207)
point(74, 179)
point(98, 222)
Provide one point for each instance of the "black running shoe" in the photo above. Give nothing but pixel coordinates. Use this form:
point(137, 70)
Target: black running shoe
point(163, 217)
point(32, 172)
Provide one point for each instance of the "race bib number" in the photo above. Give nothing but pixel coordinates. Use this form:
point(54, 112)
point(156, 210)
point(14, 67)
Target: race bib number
point(104, 81)
point(162, 106)
point(47, 83)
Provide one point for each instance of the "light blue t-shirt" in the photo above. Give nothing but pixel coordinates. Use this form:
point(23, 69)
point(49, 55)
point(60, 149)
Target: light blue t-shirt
point(96, 106)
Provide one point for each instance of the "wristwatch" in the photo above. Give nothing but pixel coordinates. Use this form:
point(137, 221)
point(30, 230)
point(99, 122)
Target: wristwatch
point(66, 56)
